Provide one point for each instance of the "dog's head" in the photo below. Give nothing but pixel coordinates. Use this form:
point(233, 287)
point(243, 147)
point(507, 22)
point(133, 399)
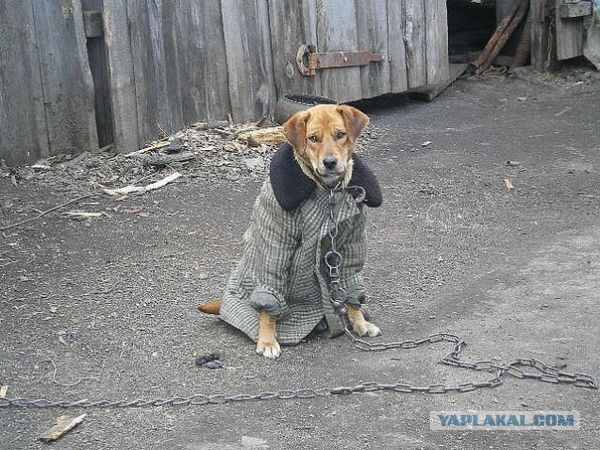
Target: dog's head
point(323, 139)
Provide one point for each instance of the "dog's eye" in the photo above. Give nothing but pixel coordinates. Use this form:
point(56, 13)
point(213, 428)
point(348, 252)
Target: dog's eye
point(313, 138)
point(340, 134)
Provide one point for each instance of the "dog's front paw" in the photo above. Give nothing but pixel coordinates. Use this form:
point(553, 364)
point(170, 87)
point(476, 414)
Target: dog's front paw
point(269, 349)
point(364, 328)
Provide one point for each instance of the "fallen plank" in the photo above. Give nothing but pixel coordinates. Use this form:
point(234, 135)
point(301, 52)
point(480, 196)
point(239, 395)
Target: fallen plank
point(121, 192)
point(430, 91)
point(62, 425)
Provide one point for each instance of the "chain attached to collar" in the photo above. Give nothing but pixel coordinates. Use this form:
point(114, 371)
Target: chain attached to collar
point(338, 299)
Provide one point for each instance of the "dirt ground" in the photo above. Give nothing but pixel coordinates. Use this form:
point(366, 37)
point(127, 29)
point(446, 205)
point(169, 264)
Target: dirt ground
point(106, 308)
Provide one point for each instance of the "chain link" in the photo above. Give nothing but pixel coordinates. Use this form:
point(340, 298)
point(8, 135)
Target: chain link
point(333, 262)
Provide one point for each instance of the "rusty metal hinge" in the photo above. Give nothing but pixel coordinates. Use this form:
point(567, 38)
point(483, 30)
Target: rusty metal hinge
point(309, 61)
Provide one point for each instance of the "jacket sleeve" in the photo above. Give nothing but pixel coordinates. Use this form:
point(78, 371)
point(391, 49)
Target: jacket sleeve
point(275, 235)
point(354, 253)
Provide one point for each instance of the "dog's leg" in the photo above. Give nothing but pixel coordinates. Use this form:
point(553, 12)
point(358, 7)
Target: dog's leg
point(267, 337)
point(359, 325)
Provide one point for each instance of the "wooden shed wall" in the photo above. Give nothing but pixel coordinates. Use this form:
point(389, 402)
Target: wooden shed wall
point(162, 64)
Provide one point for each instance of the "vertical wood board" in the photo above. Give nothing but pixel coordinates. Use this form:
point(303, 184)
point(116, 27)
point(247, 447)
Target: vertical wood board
point(121, 76)
point(415, 42)
point(201, 61)
point(151, 27)
point(249, 59)
point(569, 34)
point(372, 22)
point(66, 78)
point(436, 37)
point(292, 24)
point(396, 50)
point(337, 31)
point(23, 135)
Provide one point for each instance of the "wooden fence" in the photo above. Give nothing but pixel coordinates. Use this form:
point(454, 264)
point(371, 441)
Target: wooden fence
point(70, 82)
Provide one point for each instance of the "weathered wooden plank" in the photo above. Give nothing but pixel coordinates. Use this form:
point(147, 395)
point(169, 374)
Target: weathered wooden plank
point(249, 59)
point(121, 76)
point(66, 79)
point(23, 135)
point(96, 48)
point(336, 31)
point(396, 50)
point(569, 34)
point(436, 36)
point(372, 23)
point(201, 61)
point(591, 47)
point(543, 45)
point(292, 24)
point(151, 27)
point(415, 42)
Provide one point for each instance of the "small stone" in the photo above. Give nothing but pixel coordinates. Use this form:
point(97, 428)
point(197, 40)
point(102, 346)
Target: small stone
point(253, 163)
point(213, 365)
point(426, 143)
point(24, 279)
point(202, 360)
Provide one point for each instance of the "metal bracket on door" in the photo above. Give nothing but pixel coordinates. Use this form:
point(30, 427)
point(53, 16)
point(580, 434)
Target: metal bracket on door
point(309, 61)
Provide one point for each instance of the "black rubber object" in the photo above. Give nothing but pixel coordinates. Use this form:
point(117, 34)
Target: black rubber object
point(290, 104)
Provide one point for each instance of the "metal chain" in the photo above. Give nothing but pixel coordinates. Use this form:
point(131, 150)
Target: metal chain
point(548, 374)
point(333, 261)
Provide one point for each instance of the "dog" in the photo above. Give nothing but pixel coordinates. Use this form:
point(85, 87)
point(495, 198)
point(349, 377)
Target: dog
point(278, 293)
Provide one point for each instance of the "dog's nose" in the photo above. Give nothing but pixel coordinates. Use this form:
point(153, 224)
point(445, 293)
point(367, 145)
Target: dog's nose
point(330, 162)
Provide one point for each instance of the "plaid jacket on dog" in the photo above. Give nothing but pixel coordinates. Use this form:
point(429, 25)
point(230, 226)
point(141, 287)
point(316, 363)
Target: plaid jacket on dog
point(281, 268)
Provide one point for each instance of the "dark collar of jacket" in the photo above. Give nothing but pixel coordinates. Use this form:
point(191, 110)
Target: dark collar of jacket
point(291, 186)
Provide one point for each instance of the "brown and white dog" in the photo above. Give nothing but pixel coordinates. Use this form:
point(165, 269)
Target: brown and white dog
point(323, 139)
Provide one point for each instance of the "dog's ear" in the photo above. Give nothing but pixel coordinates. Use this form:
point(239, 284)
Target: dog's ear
point(354, 119)
point(295, 130)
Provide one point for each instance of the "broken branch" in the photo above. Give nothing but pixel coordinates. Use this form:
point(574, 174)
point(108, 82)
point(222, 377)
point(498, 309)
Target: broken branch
point(141, 189)
point(48, 211)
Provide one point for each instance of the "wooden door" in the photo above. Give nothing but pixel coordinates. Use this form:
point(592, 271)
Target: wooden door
point(410, 35)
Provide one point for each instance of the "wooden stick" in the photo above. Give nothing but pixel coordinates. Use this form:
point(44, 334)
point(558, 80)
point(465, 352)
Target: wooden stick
point(62, 425)
point(147, 149)
point(48, 211)
point(141, 189)
point(496, 43)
